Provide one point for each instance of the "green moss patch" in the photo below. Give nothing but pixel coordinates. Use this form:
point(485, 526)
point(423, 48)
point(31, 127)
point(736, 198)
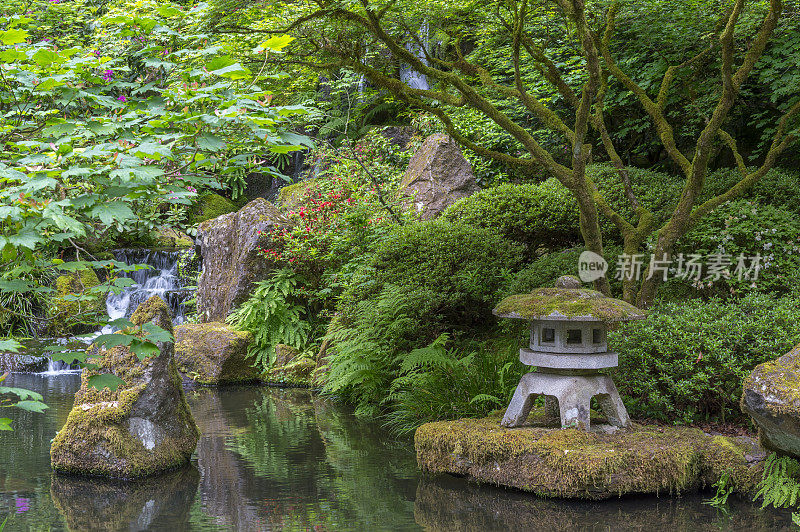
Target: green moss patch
point(210, 206)
point(143, 427)
point(560, 303)
point(570, 463)
point(71, 309)
point(214, 353)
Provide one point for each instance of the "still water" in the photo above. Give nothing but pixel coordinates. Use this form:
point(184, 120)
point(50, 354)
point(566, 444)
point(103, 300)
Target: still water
point(272, 459)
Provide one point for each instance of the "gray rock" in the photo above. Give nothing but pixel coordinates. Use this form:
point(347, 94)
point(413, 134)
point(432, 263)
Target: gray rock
point(142, 428)
point(771, 396)
point(229, 246)
point(17, 363)
point(438, 176)
point(214, 353)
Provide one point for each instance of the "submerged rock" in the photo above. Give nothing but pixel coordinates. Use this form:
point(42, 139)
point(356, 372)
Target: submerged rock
point(143, 427)
point(21, 363)
point(230, 246)
point(573, 463)
point(771, 396)
point(438, 176)
point(214, 353)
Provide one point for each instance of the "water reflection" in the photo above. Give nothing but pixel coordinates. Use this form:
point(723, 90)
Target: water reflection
point(158, 503)
point(274, 459)
point(447, 504)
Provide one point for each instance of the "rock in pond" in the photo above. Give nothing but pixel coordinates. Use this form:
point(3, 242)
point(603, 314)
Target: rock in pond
point(771, 396)
point(142, 428)
point(438, 176)
point(571, 463)
point(230, 245)
point(214, 353)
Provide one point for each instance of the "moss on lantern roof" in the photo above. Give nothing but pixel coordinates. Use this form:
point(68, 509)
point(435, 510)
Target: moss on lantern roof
point(577, 304)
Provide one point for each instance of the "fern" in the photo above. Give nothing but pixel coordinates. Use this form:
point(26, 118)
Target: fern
point(272, 318)
point(779, 486)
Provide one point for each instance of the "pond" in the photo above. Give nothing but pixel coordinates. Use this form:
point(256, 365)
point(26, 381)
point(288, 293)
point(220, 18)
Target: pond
point(271, 459)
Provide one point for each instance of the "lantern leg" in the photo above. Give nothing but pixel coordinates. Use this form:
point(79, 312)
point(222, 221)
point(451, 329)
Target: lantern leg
point(551, 409)
point(520, 406)
point(612, 406)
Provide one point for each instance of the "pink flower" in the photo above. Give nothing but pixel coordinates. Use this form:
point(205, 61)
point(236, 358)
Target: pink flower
point(122, 98)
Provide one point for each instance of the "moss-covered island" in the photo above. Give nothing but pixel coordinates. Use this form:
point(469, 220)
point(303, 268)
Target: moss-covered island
point(587, 465)
point(143, 427)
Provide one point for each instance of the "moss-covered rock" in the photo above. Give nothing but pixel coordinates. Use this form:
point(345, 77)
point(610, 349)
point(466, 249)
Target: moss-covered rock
point(214, 353)
point(73, 309)
point(168, 237)
point(143, 427)
point(290, 196)
point(771, 396)
point(297, 372)
point(230, 247)
point(586, 465)
point(565, 303)
point(210, 206)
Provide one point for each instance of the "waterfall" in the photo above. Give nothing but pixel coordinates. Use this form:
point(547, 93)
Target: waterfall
point(409, 76)
point(161, 279)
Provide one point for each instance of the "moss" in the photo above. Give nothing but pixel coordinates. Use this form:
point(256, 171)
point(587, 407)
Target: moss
point(779, 380)
point(168, 237)
point(556, 303)
point(96, 439)
point(290, 196)
point(210, 206)
point(214, 353)
point(589, 465)
point(298, 372)
point(68, 316)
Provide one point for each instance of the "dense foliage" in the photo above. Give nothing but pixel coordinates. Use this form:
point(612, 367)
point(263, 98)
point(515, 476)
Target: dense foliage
point(687, 360)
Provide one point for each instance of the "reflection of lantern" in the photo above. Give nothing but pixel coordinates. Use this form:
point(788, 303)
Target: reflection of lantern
point(568, 346)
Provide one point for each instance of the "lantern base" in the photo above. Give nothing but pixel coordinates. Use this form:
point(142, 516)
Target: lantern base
point(573, 393)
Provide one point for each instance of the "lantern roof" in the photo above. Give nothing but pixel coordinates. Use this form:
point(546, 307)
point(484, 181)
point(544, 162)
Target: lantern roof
point(567, 304)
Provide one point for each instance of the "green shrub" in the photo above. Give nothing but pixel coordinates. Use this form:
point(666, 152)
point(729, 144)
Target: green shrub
point(656, 191)
point(381, 363)
point(537, 215)
point(544, 271)
point(780, 187)
point(686, 362)
point(744, 227)
point(457, 272)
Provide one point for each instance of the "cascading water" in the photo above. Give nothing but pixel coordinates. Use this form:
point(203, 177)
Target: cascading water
point(161, 279)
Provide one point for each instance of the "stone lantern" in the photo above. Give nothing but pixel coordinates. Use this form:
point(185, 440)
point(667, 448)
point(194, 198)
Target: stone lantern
point(568, 346)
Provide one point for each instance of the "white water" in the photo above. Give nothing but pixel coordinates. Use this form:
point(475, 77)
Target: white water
point(160, 280)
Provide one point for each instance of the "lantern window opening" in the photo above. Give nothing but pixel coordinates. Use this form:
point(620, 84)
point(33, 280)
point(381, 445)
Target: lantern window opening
point(574, 337)
point(548, 335)
point(597, 336)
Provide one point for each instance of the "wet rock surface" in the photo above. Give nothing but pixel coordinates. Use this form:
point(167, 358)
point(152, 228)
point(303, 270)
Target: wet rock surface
point(438, 176)
point(214, 353)
point(771, 396)
point(230, 247)
point(143, 427)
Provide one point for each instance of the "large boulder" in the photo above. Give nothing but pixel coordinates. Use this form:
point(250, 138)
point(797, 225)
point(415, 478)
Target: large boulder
point(438, 176)
point(68, 314)
point(771, 396)
point(214, 353)
point(230, 246)
point(143, 427)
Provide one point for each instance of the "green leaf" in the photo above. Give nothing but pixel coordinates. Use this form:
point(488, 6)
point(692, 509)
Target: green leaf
point(210, 142)
point(144, 349)
point(32, 406)
point(106, 380)
point(156, 333)
point(10, 346)
point(45, 58)
point(109, 341)
point(168, 11)
point(5, 424)
point(22, 393)
point(13, 36)
point(143, 172)
point(115, 211)
point(276, 43)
